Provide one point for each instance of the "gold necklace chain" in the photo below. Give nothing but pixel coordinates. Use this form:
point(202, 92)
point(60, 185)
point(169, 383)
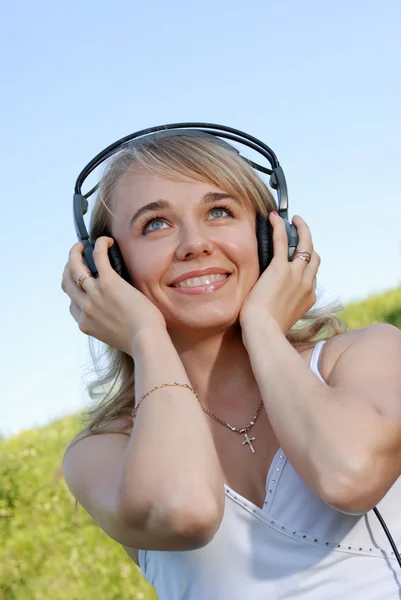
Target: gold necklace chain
point(244, 430)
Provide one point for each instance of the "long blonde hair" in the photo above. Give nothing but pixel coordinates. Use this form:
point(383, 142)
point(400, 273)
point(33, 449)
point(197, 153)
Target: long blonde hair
point(178, 157)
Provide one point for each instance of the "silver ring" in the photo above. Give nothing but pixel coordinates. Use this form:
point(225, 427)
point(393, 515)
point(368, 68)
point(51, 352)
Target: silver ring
point(82, 278)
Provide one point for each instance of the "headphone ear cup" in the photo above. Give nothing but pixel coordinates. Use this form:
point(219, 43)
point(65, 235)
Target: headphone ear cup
point(116, 260)
point(264, 235)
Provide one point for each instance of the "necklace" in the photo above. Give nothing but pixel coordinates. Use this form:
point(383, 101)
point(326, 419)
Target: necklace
point(244, 430)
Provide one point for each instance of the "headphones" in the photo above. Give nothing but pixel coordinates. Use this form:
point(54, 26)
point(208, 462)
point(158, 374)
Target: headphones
point(264, 230)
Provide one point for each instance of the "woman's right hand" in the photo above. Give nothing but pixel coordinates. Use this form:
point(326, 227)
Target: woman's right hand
point(107, 307)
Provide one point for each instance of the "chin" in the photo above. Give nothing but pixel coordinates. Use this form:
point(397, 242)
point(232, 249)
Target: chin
point(203, 319)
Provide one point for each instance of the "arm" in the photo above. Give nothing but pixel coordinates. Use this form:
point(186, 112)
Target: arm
point(171, 468)
point(344, 439)
point(170, 475)
point(92, 467)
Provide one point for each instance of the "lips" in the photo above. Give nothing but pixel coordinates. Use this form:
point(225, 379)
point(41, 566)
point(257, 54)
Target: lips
point(200, 273)
point(200, 290)
point(204, 280)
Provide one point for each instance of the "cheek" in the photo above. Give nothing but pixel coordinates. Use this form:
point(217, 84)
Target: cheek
point(243, 251)
point(144, 268)
point(145, 272)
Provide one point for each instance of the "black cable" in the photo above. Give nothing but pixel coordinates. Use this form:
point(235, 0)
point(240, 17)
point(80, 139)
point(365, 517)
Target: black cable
point(388, 534)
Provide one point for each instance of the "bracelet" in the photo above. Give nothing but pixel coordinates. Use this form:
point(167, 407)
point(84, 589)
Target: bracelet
point(157, 387)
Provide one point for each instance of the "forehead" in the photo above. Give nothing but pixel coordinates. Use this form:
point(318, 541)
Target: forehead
point(138, 186)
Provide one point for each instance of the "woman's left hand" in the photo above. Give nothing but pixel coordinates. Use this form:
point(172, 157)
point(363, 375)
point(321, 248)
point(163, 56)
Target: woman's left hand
point(286, 290)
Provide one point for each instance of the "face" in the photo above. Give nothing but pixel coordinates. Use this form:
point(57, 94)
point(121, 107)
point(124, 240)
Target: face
point(195, 227)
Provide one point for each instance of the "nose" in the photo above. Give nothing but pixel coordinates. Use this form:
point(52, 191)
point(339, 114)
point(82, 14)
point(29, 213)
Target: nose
point(193, 243)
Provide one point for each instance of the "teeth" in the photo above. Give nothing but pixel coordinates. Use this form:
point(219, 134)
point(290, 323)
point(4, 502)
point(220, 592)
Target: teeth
point(206, 279)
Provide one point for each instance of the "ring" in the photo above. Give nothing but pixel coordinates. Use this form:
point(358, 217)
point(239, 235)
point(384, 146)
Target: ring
point(303, 258)
point(306, 256)
point(82, 278)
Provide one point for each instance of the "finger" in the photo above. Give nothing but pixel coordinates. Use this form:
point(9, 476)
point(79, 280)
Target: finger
point(312, 268)
point(83, 279)
point(101, 256)
point(75, 311)
point(280, 238)
point(301, 257)
point(70, 287)
point(77, 267)
point(76, 247)
point(305, 243)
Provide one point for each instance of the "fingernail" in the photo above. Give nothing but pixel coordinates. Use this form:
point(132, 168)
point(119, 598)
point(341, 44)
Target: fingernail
point(274, 212)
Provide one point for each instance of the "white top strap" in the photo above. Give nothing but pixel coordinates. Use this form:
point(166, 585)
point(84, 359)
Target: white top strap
point(315, 358)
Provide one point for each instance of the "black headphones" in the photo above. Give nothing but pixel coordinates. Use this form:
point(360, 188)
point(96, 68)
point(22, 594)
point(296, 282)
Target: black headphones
point(216, 132)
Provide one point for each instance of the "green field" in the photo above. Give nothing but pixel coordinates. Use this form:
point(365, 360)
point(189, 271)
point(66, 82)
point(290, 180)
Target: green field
point(48, 549)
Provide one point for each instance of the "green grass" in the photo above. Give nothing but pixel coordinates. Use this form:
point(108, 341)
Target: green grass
point(48, 548)
point(51, 550)
point(380, 308)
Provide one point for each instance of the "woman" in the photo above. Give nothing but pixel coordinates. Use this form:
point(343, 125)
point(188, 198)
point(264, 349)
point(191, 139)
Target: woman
point(254, 474)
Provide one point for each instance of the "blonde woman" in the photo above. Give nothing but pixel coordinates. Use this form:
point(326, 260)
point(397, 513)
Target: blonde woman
point(243, 441)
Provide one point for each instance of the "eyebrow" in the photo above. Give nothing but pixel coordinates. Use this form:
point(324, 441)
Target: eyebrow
point(161, 204)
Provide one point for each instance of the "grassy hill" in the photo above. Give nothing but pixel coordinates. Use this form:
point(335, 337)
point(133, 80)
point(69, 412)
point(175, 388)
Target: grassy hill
point(50, 550)
point(380, 308)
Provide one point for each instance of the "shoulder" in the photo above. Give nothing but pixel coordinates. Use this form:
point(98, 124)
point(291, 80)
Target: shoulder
point(366, 364)
point(378, 342)
point(330, 352)
point(375, 342)
point(122, 426)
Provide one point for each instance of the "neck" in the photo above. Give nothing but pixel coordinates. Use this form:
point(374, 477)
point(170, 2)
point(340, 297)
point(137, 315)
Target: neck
point(219, 369)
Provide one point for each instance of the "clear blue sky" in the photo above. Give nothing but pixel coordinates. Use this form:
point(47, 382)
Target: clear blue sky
point(317, 81)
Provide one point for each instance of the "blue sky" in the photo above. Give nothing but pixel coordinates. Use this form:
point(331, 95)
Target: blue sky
point(317, 81)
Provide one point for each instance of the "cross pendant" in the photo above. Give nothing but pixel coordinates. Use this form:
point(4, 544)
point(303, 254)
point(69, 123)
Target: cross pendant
point(249, 441)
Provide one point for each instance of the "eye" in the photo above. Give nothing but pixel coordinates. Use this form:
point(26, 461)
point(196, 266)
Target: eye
point(146, 227)
point(220, 209)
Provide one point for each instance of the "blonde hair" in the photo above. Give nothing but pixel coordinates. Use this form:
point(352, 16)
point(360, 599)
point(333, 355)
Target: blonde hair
point(178, 157)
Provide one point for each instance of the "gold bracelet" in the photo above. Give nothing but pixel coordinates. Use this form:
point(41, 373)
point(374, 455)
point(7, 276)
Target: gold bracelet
point(157, 387)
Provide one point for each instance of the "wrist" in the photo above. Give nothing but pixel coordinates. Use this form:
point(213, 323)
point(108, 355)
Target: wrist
point(256, 317)
point(256, 324)
point(149, 337)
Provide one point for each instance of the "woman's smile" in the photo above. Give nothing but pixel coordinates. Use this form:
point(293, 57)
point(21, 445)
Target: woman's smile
point(198, 285)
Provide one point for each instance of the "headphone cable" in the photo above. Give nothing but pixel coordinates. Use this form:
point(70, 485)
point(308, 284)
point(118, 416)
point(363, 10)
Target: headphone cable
point(388, 534)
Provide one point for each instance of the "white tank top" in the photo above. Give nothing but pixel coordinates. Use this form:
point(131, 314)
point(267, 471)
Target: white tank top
point(296, 546)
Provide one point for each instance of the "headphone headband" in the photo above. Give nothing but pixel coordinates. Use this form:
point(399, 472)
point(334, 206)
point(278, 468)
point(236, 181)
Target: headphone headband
point(210, 128)
point(277, 178)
